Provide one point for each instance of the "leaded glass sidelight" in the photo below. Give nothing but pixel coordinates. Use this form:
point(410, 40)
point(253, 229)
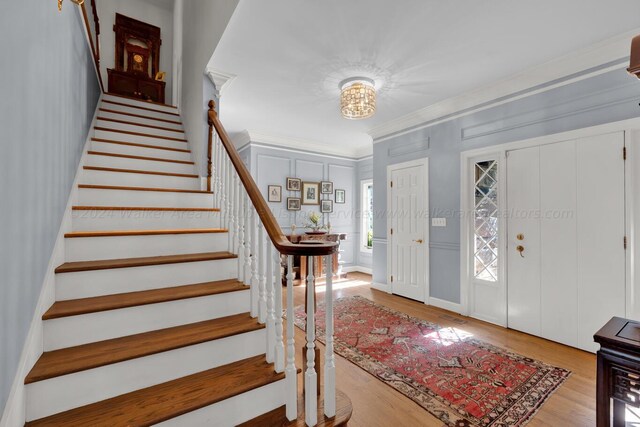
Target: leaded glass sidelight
point(485, 216)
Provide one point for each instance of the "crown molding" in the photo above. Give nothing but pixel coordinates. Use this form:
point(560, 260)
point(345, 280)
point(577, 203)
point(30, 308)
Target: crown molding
point(300, 144)
point(611, 54)
point(219, 78)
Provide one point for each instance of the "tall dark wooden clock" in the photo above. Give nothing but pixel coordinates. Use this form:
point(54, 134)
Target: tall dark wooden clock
point(137, 60)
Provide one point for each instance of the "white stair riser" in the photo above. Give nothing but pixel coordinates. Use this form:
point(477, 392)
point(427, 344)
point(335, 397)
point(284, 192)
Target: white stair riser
point(104, 220)
point(84, 284)
point(144, 104)
point(87, 328)
point(96, 177)
point(163, 199)
point(145, 112)
point(149, 140)
point(235, 410)
point(59, 394)
point(163, 122)
point(140, 129)
point(94, 248)
point(132, 150)
point(139, 164)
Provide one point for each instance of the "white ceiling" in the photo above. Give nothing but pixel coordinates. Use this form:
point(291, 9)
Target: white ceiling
point(290, 55)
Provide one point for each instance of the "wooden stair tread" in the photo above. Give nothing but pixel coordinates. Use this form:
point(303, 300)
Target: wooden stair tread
point(143, 101)
point(134, 299)
point(144, 172)
point(141, 208)
point(139, 107)
point(139, 116)
point(120, 233)
point(89, 356)
point(70, 267)
point(163, 190)
point(128, 156)
point(136, 144)
point(125, 122)
point(278, 418)
point(127, 132)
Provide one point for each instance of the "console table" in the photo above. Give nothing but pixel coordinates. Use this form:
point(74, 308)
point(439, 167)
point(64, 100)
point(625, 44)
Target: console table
point(300, 262)
point(618, 370)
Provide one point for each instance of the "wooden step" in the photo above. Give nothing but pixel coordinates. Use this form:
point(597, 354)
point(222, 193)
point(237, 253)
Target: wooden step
point(162, 104)
point(148, 135)
point(89, 356)
point(70, 267)
point(103, 169)
point(141, 208)
point(133, 299)
point(162, 190)
point(139, 107)
point(278, 418)
point(139, 116)
point(136, 144)
point(127, 156)
point(124, 122)
point(119, 233)
point(162, 402)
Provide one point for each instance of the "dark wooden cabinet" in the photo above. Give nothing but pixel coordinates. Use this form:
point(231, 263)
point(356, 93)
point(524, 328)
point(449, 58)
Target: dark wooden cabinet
point(136, 86)
point(618, 383)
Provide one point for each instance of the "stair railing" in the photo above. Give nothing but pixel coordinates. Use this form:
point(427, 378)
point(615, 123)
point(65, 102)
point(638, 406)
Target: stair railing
point(258, 240)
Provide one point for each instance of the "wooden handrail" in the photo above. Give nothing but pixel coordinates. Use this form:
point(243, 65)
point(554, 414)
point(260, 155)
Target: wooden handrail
point(282, 244)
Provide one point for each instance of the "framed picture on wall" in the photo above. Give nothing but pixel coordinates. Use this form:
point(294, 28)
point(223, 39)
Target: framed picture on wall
point(327, 187)
point(294, 184)
point(293, 203)
point(340, 196)
point(310, 193)
point(326, 206)
point(275, 193)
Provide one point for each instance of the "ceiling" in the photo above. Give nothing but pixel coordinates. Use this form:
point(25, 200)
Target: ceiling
point(290, 55)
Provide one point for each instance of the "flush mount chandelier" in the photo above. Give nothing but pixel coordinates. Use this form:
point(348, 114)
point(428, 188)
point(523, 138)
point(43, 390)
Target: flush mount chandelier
point(357, 98)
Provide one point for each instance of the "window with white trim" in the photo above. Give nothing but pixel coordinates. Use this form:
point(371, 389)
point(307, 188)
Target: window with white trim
point(366, 234)
point(485, 220)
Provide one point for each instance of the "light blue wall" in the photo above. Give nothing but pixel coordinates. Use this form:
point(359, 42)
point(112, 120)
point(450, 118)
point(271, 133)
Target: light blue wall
point(605, 98)
point(49, 94)
point(271, 166)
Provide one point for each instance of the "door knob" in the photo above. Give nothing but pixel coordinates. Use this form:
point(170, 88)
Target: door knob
point(520, 249)
point(418, 241)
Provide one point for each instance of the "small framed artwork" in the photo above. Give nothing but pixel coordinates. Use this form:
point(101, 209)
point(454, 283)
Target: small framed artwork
point(294, 184)
point(275, 193)
point(310, 193)
point(293, 203)
point(340, 196)
point(326, 206)
point(327, 187)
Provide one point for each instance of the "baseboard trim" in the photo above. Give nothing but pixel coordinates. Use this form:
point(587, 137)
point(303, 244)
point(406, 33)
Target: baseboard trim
point(445, 305)
point(384, 287)
point(14, 414)
point(357, 268)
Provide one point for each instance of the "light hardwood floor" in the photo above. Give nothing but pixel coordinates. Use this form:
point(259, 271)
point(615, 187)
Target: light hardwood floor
point(376, 404)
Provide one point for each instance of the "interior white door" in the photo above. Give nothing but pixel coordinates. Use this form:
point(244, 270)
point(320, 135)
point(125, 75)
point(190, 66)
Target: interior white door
point(408, 235)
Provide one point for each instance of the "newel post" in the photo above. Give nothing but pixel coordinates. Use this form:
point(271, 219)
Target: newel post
point(212, 106)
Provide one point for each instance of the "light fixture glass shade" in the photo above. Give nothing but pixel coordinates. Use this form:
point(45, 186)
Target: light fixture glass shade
point(358, 98)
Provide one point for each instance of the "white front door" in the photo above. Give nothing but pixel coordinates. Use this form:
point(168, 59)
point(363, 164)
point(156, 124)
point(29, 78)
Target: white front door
point(408, 234)
point(566, 257)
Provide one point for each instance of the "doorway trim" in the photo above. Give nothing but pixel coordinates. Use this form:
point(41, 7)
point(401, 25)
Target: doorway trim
point(630, 127)
point(418, 162)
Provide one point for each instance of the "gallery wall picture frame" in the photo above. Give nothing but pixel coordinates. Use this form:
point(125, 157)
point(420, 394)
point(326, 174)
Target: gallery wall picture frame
point(274, 193)
point(326, 187)
point(326, 206)
point(294, 184)
point(293, 204)
point(310, 193)
point(341, 196)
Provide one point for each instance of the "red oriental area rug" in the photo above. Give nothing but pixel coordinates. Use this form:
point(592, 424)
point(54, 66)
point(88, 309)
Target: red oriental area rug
point(459, 379)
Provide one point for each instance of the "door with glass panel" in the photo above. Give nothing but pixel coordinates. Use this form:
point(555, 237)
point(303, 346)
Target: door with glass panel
point(487, 298)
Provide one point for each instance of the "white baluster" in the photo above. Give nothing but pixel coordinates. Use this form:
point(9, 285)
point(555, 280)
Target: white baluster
point(329, 358)
point(277, 284)
point(271, 314)
point(230, 219)
point(255, 278)
point(241, 237)
point(247, 243)
point(291, 372)
point(262, 305)
point(219, 171)
point(223, 192)
point(310, 377)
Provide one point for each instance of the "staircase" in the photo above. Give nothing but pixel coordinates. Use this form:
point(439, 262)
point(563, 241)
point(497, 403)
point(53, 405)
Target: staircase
point(164, 312)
